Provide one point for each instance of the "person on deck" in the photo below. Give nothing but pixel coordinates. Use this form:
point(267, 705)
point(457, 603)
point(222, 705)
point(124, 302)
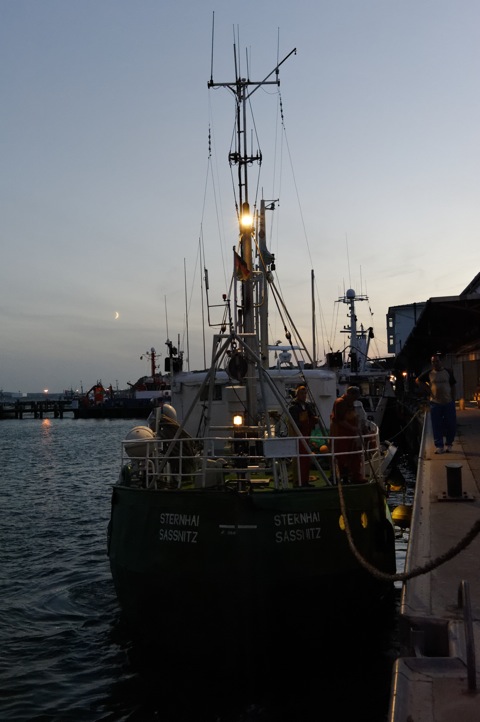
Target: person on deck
point(439, 382)
point(345, 424)
point(304, 415)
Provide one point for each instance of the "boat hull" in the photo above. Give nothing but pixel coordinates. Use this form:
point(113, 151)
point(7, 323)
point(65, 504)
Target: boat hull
point(230, 565)
point(131, 409)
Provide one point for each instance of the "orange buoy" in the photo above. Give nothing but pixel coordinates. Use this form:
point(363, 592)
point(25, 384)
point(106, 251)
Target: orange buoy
point(324, 449)
point(395, 487)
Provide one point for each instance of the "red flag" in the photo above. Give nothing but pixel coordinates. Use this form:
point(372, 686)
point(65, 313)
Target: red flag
point(242, 271)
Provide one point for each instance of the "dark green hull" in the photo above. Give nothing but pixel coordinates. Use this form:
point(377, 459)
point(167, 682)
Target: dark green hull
point(222, 561)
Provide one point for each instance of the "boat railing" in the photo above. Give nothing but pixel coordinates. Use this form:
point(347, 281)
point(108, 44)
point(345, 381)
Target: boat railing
point(243, 461)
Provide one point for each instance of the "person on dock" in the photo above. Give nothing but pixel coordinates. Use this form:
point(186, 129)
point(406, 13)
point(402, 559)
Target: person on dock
point(305, 417)
point(345, 428)
point(439, 382)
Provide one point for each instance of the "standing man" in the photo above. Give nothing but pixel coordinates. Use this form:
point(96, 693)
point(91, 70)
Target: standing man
point(304, 415)
point(439, 382)
point(345, 424)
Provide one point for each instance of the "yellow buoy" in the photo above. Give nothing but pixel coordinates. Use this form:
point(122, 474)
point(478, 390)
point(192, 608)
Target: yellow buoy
point(402, 516)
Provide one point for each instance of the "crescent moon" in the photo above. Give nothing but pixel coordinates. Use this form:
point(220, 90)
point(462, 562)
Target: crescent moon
point(117, 315)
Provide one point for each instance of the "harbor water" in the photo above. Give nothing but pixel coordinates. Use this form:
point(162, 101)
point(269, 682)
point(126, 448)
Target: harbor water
point(65, 654)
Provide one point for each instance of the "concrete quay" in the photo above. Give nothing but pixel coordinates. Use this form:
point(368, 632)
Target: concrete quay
point(436, 678)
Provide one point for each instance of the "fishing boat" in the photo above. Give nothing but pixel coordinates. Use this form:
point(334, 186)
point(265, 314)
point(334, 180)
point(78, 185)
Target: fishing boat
point(216, 542)
point(354, 366)
point(135, 402)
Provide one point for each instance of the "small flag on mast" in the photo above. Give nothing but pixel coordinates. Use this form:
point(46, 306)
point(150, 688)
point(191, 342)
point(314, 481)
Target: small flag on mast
point(242, 271)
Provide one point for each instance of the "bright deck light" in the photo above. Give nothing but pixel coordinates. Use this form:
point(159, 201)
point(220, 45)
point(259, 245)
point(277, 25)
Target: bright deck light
point(246, 218)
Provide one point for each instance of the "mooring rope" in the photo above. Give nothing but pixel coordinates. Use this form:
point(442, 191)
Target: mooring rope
point(404, 576)
point(417, 413)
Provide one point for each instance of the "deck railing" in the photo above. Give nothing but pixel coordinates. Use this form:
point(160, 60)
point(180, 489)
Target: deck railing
point(242, 460)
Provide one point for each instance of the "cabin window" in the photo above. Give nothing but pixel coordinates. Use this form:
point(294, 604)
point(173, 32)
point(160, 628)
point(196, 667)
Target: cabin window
point(217, 393)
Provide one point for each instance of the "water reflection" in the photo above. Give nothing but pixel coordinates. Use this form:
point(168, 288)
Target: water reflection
point(401, 485)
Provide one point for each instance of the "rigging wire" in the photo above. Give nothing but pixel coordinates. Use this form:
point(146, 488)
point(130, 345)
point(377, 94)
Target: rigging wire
point(320, 341)
point(186, 312)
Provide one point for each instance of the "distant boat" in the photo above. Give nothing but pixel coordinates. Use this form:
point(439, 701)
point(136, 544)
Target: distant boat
point(137, 402)
point(215, 539)
point(354, 366)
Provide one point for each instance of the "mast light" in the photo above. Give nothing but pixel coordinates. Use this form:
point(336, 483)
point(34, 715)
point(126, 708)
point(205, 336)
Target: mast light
point(246, 218)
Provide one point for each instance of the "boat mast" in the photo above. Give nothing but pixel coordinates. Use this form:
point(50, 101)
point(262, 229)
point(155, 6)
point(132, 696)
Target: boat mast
point(267, 265)
point(243, 89)
point(359, 340)
point(152, 357)
point(314, 343)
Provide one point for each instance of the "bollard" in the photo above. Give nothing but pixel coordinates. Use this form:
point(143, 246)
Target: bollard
point(454, 479)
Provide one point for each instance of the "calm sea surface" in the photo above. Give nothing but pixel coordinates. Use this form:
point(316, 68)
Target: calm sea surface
point(64, 654)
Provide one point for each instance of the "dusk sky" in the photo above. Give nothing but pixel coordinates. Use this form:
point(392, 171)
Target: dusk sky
point(108, 191)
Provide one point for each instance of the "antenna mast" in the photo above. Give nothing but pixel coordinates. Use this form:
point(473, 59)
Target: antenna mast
point(243, 89)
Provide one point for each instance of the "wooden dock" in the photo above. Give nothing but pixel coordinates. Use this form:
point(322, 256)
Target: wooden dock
point(34, 408)
point(436, 678)
point(122, 407)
